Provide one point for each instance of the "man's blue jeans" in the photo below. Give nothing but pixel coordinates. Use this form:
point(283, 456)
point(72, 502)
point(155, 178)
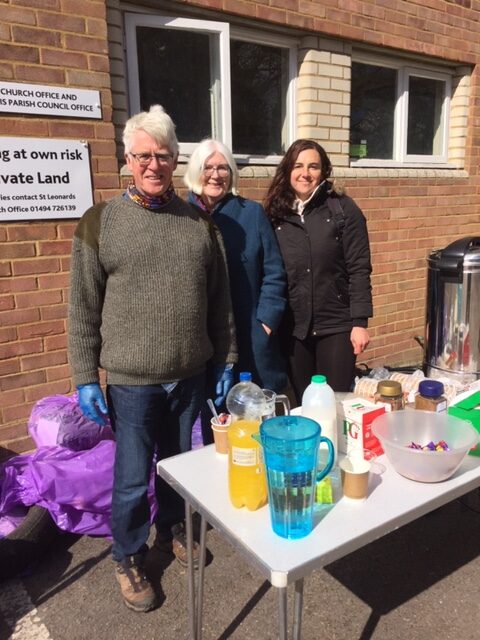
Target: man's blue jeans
point(148, 419)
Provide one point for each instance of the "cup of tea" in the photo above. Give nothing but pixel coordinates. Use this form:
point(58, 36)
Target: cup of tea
point(355, 473)
point(220, 428)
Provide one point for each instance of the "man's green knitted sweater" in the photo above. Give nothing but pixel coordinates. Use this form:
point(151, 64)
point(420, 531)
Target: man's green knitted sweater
point(149, 298)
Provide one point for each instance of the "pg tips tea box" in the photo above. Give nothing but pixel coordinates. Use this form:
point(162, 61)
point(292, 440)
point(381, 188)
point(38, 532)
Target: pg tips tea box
point(354, 424)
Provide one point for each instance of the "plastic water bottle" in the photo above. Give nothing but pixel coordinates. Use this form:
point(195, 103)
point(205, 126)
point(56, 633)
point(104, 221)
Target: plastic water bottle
point(246, 472)
point(318, 403)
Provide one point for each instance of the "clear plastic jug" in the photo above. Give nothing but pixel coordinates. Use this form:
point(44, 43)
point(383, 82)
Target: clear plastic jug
point(271, 399)
point(290, 449)
point(246, 472)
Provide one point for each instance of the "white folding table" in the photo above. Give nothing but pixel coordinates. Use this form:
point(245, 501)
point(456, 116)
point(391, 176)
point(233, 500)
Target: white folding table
point(200, 477)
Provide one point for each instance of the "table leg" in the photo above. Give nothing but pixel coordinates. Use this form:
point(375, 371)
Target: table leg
point(282, 613)
point(190, 569)
point(297, 610)
point(201, 571)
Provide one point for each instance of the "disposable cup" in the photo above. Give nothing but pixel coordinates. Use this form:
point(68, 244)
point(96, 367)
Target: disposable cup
point(219, 436)
point(355, 471)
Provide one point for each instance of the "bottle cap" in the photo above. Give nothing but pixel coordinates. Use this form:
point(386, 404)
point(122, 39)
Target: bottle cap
point(245, 376)
point(431, 388)
point(319, 379)
point(389, 388)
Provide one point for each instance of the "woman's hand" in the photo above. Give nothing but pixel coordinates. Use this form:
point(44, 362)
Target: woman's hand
point(267, 330)
point(359, 338)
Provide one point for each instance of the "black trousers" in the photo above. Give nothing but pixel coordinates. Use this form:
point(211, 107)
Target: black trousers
point(331, 356)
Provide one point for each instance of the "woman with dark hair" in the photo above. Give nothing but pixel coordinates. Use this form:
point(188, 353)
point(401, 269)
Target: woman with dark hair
point(323, 239)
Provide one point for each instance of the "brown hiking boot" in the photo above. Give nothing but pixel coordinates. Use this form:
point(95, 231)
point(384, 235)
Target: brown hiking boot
point(137, 592)
point(178, 546)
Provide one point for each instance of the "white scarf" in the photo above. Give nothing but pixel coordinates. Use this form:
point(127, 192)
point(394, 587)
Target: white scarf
point(299, 205)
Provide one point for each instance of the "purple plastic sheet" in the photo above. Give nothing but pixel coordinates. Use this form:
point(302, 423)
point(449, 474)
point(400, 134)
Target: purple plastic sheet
point(197, 438)
point(12, 520)
point(59, 420)
point(75, 486)
point(71, 472)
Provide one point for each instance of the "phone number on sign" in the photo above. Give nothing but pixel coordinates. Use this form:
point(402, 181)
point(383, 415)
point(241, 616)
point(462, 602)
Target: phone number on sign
point(53, 207)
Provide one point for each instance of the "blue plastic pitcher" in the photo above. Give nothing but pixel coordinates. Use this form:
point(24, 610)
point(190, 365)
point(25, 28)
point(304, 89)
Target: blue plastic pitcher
point(290, 449)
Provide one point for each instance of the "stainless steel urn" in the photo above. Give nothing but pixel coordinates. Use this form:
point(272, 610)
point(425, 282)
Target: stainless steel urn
point(452, 328)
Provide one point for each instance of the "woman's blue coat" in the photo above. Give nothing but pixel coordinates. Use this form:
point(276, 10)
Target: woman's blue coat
point(257, 285)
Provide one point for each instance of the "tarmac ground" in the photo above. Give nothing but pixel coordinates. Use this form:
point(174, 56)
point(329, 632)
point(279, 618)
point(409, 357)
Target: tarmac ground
point(422, 581)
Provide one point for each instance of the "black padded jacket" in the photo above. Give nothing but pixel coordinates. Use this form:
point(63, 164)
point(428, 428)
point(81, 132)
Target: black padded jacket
point(328, 268)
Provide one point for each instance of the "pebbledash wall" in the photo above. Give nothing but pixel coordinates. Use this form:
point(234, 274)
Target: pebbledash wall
point(409, 211)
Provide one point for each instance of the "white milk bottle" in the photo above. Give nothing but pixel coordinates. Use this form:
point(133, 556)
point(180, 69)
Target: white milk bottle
point(318, 403)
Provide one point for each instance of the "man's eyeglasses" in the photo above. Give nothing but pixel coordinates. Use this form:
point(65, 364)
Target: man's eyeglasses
point(223, 170)
point(144, 159)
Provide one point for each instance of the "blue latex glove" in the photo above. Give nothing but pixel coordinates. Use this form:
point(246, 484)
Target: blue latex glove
point(92, 403)
point(223, 378)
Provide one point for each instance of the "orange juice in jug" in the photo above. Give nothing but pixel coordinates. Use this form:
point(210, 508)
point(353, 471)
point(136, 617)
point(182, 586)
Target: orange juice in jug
point(246, 472)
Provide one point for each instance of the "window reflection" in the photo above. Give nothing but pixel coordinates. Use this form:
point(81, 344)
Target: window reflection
point(174, 71)
point(372, 111)
point(425, 100)
point(259, 85)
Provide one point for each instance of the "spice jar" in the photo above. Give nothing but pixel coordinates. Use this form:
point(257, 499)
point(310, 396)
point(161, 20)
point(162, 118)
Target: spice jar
point(389, 393)
point(430, 396)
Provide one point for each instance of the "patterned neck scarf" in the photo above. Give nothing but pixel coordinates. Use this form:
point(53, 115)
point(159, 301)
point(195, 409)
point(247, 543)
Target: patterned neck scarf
point(196, 199)
point(149, 202)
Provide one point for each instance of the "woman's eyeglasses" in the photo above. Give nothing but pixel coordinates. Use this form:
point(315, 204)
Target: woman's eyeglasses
point(144, 159)
point(223, 170)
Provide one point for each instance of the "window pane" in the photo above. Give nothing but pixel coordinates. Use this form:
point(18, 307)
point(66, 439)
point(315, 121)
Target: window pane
point(259, 79)
point(174, 71)
point(425, 100)
point(372, 111)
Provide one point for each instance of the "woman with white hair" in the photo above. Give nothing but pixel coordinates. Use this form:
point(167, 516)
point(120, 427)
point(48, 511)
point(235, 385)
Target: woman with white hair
point(257, 275)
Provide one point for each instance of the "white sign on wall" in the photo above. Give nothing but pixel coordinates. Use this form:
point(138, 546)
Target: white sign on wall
point(52, 101)
point(44, 178)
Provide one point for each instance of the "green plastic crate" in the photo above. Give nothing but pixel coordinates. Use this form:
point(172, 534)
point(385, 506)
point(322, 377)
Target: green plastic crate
point(469, 409)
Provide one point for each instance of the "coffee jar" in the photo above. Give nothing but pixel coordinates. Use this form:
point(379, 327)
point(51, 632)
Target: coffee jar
point(430, 396)
point(390, 394)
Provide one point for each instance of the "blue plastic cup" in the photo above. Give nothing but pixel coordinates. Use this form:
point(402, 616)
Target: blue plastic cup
point(290, 449)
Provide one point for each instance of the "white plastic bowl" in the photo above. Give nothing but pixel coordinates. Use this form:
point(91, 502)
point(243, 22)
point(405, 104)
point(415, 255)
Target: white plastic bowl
point(396, 430)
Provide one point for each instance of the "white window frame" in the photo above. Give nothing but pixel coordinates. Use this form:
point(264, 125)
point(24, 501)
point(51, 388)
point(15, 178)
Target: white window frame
point(221, 34)
point(219, 92)
point(400, 156)
point(289, 126)
point(405, 75)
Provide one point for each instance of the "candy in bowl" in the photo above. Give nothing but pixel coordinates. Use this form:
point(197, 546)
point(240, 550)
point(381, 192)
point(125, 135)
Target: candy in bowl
point(423, 445)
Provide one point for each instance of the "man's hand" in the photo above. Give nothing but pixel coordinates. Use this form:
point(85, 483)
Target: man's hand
point(92, 403)
point(223, 378)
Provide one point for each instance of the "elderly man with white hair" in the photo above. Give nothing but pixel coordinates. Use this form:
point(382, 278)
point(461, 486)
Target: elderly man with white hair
point(149, 304)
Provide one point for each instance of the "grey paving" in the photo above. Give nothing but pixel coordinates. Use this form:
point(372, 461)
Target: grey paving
point(420, 582)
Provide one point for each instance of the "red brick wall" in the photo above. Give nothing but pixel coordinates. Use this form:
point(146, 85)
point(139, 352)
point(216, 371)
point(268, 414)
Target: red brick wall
point(59, 44)
point(443, 28)
point(64, 43)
